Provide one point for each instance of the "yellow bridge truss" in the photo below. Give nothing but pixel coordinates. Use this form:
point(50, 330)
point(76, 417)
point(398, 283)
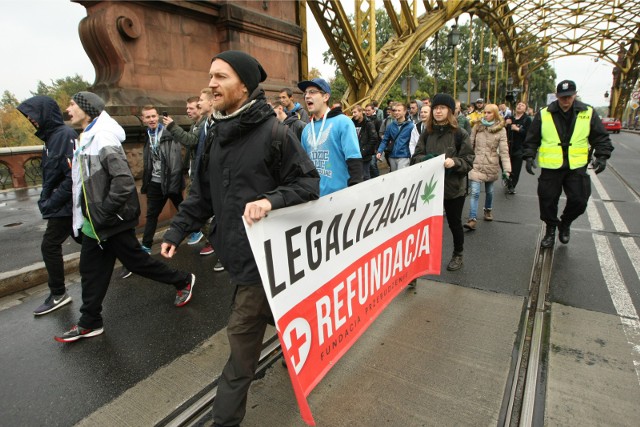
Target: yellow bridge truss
point(528, 32)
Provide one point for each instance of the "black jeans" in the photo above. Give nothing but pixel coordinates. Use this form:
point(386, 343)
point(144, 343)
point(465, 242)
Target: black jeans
point(453, 211)
point(96, 268)
point(516, 167)
point(58, 229)
point(576, 184)
point(155, 203)
point(250, 314)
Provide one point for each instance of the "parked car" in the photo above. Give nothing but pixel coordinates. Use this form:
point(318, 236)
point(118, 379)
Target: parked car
point(612, 124)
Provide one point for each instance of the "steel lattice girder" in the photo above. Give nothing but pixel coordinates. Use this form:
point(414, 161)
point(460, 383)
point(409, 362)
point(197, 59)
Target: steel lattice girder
point(529, 33)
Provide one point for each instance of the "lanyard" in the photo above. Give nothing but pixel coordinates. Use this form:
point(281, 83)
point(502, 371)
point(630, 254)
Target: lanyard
point(313, 130)
point(153, 137)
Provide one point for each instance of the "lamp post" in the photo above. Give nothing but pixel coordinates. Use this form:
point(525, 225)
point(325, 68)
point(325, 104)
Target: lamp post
point(435, 72)
point(492, 69)
point(453, 38)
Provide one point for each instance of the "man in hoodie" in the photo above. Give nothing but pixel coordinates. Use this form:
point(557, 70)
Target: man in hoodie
point(55, 198)
point(292, 107)
point(106, 211)
point(367, 138)
point(235, 180)
point(330, 139)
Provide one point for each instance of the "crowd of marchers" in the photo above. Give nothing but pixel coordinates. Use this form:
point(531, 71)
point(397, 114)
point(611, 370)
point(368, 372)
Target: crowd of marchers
point(245, 155)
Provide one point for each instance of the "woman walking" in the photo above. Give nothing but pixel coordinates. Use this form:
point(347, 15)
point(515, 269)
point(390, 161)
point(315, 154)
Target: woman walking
point(444, 136)
point(489, 141)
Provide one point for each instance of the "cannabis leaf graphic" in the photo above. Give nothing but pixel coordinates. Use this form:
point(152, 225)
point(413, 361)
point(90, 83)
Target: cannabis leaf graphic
point(428, 191)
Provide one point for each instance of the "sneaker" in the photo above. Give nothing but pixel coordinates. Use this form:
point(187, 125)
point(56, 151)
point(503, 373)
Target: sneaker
point(488, 216)
point(78, 332)
point(456, 262)
point(471, 224)
point(146, 249)
point(53, 302)
point(124, 273)
point(194, 238)
point(183, 296)
point(207, 250)
point(218, 266)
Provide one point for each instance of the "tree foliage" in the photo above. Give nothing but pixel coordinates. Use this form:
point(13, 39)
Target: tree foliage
point(15, 129)
point(434, 66)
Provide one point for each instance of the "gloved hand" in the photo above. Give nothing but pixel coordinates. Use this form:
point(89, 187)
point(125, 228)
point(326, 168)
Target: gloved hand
point(530, 166)
point(599, 164)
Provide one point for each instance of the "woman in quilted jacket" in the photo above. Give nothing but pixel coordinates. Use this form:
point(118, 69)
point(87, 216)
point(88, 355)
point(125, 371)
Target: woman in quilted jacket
point(489, 141)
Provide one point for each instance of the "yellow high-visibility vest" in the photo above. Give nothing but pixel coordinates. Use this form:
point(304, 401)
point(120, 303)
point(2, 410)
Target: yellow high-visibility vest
point(550, 154)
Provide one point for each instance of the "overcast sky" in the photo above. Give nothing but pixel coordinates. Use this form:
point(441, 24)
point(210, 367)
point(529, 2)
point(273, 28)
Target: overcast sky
point(40, 42)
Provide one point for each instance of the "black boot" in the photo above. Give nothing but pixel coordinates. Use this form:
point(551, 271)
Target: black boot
point(564, 232)
point(549, 238)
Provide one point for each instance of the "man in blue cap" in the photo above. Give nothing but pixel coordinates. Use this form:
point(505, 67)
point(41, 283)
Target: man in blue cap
point(330, 139)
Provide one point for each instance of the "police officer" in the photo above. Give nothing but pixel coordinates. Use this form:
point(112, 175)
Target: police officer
point(564, 134)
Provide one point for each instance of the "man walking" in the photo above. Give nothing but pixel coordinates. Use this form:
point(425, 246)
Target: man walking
point(55, 198)
point(162, 178)
point(106, 211)
point(189, 140)
point(563, 133)
point(236, 181)
point(397, 136)
point(330, 140)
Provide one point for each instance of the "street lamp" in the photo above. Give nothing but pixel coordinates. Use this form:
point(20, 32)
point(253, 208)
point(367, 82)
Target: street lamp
point(492, 69)
point(453, 38)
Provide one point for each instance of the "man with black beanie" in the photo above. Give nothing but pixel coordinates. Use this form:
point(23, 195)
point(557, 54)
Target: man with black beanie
point(106, 211)
point(235, 180)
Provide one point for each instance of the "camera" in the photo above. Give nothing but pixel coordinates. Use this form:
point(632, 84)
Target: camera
point(165, 114)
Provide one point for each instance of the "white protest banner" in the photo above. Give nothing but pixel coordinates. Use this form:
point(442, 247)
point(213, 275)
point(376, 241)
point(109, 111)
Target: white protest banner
point(329, 267)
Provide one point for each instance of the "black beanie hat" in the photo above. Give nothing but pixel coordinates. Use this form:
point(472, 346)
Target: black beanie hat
point(248, 68)
point(443, 99)
point(90, 103)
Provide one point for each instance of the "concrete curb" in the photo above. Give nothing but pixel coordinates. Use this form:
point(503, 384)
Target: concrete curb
point(33, 275)
point(36, 274)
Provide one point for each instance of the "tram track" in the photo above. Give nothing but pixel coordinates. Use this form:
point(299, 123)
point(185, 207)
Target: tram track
point(197, 410)
point(525, 403)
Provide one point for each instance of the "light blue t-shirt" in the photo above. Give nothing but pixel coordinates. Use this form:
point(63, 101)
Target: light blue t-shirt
point(336, 142)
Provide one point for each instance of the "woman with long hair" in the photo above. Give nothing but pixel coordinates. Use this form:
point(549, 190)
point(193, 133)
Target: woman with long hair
point(489, 141)
point(444, 136)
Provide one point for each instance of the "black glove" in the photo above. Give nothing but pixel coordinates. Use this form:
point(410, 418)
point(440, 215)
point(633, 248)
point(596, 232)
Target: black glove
point(530, 166)
point(599, 164)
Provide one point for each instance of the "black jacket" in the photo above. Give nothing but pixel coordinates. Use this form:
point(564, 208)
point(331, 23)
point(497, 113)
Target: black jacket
point(367, 138)
point(565, 123)
point(516, 138)
point(295, 124)
point(55, 197)
point(240, 166)
point(171, 165)
point(453, 144)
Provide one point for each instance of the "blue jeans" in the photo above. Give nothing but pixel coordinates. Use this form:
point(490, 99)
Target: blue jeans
point(475, 195)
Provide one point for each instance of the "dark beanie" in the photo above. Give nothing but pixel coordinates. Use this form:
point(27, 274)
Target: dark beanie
point(443, 99)
point(90, 103)
point(248, 68)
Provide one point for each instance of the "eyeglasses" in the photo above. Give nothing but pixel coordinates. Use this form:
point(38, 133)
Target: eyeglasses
point(313, 92)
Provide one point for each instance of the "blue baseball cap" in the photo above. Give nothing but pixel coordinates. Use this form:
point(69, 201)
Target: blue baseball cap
point(317, 82)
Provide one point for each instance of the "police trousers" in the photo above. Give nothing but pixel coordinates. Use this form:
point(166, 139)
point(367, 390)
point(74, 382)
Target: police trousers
point(576, 184)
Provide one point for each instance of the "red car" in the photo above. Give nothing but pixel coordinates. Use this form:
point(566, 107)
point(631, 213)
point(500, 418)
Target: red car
point(612, 124)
